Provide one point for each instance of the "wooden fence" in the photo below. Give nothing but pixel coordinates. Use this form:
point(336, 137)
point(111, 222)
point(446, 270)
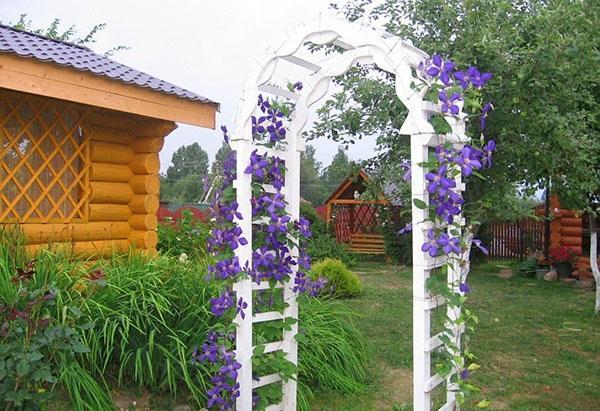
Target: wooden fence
point(515, 240)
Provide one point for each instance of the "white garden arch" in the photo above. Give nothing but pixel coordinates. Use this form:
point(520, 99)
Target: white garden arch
point(358, 43)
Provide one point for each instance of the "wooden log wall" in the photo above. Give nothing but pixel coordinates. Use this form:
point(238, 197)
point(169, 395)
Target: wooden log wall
point(123, 191)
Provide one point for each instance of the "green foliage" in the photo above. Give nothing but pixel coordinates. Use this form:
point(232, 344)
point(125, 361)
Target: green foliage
point(318, 226)
point(38, 341)
point(187, 236)
point(147, 319)
point(323, 244)
point(340, 168)
point(326, 246)
point(142, 318)
point(527, 267)
point(183, 180)
point(341, 282)
point(332, 354)
point(54, 31)
point(311, 184)
point(398, 247)
point(544, 114)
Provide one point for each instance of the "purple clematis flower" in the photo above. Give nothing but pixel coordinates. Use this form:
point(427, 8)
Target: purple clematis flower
point(241, 306)
point(479, 245)
point(439, 181)
point(488, 149)
point(449, 103)
point(258, 165)
point(487, 107)
point(406, 229)
point(303, 226)
point(221, 304)
point(464, 287)
point(431, 245)
point(449, 244)
point(469, 160)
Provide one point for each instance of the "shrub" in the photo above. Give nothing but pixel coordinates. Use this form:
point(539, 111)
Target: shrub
point(527, 267)
point(187, 236)
point(340, 280)
point(398, 247)
point(317, 225)
point(323, 244)
point(41, 333)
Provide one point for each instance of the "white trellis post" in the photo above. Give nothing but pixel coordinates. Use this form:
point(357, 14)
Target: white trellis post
point(360, 44)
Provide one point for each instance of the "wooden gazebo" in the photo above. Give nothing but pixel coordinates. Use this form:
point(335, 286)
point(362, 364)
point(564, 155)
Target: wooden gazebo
point(79, 141)
point(355, 221)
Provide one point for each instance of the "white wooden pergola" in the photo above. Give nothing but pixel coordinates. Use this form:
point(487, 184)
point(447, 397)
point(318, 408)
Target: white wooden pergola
point(357, 43)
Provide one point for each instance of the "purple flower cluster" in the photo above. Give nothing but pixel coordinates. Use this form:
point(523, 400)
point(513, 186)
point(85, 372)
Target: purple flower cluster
point(275, 234)
point(267, 170)
point(440, 244)
point(444, 70)
point(269, 123)
point(443, 195)
point(215, 351)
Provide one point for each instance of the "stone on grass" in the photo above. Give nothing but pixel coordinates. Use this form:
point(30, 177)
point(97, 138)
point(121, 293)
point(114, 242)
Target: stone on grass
point(551, 276)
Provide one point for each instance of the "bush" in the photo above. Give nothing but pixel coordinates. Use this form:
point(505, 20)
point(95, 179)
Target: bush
point(323, 244)
point(398, 247)
point(317, 225)
point(42, 330)
point(527, 267)
point(340, 280)
point(187, 236)
point(145, 316)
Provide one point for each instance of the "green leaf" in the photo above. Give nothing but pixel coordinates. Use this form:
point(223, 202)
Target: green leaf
point(259, 349)
point(420, 203)
point(484, 404)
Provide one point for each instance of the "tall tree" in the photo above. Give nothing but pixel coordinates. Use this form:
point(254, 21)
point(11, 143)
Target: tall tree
point(183, 181)
point(545, 58)
point(311, 185)
point(216, 170)
point(340, 168)
point(188, 160)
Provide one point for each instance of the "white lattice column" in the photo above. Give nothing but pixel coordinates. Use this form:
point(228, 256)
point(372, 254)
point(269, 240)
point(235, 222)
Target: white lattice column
point(453, 313)
point(243, 288)
point(292, 185)
point(421, 315)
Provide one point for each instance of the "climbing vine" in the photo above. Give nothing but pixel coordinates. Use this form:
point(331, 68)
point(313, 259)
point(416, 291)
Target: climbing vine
point(275, 234)
point(458, 93)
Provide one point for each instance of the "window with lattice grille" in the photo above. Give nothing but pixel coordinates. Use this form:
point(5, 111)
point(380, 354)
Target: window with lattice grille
point(44, 160)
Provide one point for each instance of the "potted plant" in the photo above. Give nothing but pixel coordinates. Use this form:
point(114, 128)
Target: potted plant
point(563, 259)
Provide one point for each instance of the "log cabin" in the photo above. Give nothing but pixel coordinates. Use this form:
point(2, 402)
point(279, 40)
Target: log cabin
point(80, 136)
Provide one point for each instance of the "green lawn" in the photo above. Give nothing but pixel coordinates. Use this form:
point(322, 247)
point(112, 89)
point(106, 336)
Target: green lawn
point(538, 343)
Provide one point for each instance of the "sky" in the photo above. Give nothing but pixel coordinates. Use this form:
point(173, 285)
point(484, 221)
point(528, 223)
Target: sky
point(206, 46)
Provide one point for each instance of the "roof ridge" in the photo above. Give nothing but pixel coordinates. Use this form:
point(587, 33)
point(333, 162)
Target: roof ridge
point(31, 33)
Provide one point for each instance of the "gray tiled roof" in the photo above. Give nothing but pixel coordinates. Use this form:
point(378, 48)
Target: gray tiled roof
point(27, 44)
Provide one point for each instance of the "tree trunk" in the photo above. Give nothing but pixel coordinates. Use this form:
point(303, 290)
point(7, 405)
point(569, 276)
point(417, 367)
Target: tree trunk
point(594, 259)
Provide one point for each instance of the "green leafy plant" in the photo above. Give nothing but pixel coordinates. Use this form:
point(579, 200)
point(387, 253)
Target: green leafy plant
point(527, 267)
point(187, 236)
point(35, 342)
point(341, 282)
point(332, 354)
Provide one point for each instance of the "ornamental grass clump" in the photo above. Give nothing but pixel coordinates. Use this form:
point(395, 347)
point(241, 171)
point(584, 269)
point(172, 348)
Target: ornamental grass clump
point(341, 281)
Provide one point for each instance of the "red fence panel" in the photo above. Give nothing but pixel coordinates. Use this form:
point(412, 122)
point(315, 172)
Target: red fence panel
point(515, 240)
